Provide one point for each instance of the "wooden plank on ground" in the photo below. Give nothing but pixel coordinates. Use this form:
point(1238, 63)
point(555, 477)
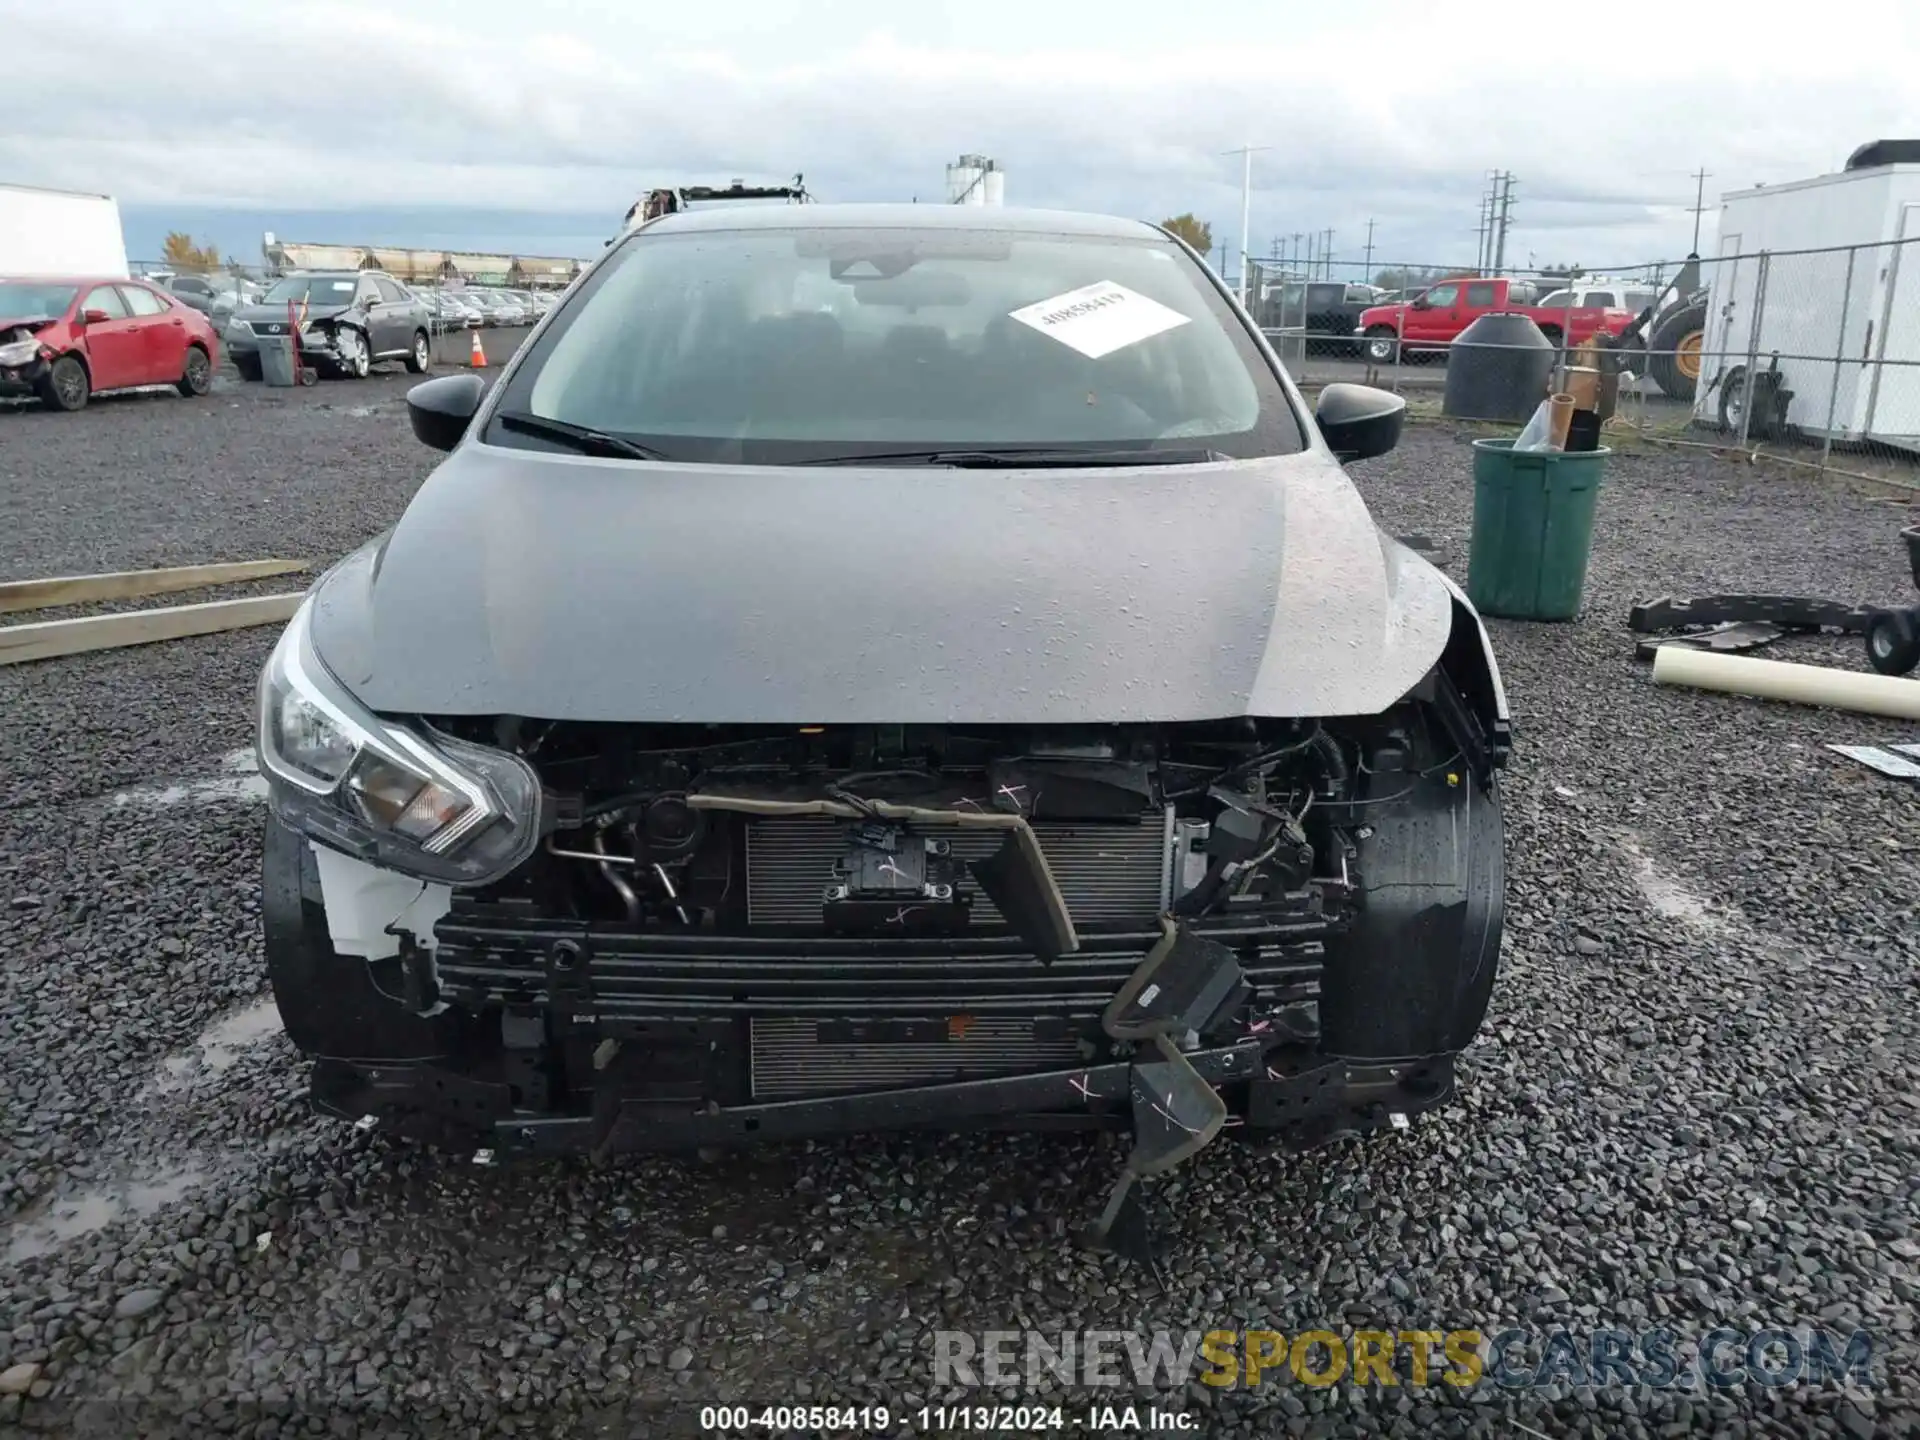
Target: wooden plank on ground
point(132, 584)
point(47, 639)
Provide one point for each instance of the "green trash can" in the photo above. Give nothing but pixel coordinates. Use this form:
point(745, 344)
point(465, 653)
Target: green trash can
point(276, 360)
point(1532, 529)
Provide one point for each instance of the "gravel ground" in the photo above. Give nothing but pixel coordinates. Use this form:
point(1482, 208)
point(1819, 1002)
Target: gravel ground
point(1692, 1105)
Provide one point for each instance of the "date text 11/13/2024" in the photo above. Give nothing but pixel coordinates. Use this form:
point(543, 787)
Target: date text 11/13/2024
point(979, 1419)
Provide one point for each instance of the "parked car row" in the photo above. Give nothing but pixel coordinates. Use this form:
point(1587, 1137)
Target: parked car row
point(66, 340)
point(215, 296)
point(474, 306)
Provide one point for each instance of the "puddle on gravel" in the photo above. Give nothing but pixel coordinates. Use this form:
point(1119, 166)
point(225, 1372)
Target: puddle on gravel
point(220, 1045)
point(240, 780)
point(1668, 897)
point(93, 1210)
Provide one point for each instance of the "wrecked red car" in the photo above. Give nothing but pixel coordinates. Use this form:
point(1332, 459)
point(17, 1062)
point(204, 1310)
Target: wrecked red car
point(66, 340)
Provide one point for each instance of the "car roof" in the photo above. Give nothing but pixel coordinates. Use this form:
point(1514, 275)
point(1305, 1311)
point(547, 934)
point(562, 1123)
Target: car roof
point(982, 219)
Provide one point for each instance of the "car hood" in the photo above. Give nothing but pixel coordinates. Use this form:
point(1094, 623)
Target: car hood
point(571, 588)
point(279, 312)
point(32, 324)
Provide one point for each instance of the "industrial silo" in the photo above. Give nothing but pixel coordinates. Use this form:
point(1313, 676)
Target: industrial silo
point(975, 180)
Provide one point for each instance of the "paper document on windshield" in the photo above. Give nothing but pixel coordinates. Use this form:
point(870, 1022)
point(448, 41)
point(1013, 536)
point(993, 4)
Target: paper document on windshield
point(1100, 318)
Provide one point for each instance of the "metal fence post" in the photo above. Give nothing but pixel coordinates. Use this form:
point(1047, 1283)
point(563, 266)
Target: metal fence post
point(1643, 375)
point(1400, 330)
point(1753, 344)
point(1839, 359)
point(1880, 350)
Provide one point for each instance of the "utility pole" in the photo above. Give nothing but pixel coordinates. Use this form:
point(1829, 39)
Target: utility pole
point(1297, 237)
point(1484, 231)
point(1245, 152)
point(1367, 278)
point(1311, 237)
point(1326, 254)
point(1506, 209)
point(1700, 178)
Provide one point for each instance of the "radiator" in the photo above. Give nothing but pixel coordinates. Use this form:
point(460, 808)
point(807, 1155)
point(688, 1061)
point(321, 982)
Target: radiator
point(793, 1058)
point(1106, 873)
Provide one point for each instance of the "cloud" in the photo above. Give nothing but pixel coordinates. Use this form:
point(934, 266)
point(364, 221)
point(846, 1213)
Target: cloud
point(1383, 112)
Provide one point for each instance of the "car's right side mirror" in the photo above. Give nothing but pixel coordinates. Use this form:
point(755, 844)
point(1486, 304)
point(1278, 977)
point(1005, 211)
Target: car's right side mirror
point(440, 410)
point(1358, 422)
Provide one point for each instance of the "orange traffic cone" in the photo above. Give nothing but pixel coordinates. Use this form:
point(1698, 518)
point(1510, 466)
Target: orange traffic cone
point(478, 359)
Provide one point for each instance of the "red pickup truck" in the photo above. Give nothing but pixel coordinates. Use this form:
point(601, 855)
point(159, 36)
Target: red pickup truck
point(1438, 314)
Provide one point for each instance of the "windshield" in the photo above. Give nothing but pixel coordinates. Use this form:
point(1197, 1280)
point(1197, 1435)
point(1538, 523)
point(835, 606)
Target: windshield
point(314, 289)
point(785, 345)
point(32, 299)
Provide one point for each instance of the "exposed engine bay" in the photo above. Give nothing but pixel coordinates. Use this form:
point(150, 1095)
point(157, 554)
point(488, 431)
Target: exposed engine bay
point(918, 831)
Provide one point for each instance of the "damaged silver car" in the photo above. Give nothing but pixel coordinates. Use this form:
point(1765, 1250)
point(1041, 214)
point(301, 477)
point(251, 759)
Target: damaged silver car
point(878, 667)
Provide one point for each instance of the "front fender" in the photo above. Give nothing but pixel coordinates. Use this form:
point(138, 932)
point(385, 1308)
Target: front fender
point(1469, 662)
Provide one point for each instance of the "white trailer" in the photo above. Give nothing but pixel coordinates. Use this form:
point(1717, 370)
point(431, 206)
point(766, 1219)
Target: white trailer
point(1840, 259)
point(59, 232)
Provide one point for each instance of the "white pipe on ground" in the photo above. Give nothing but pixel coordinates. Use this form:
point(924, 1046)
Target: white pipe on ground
point(1781, 680)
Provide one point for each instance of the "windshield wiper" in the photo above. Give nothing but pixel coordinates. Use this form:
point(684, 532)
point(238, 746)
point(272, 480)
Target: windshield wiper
point(583, 438)
point(1059, 457)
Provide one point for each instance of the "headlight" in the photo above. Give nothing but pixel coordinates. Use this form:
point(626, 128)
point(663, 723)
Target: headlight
point(20, 352)
point(406, 799)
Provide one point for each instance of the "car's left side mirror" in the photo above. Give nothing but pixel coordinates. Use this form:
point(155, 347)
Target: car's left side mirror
point(440, 410)
point(1358, 422)
point(95, 316)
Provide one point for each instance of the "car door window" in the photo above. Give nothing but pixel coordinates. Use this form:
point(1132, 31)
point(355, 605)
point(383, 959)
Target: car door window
point(1603, 299)
point(1558, 300)
point(107, 298)
point(1480, 297)
point(142, 301)
point(389, 291)
point(1443, 297)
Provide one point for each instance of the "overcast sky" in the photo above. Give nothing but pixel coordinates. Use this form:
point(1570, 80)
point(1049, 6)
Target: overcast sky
point(567, 108)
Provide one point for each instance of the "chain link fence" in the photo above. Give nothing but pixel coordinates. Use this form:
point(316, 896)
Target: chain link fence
point(1808, 356)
